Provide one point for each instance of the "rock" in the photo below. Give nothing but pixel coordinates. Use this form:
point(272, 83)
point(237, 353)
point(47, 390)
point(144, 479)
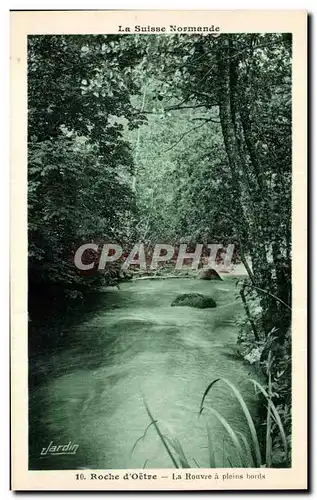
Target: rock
point(208, 274)
point(194, 300)
point(253, 356)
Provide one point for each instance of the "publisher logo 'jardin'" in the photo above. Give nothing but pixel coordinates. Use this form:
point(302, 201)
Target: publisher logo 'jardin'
point(60, 449)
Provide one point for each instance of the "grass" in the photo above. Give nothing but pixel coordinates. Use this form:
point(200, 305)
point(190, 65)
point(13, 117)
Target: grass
point(248, 450)
point(235, 439)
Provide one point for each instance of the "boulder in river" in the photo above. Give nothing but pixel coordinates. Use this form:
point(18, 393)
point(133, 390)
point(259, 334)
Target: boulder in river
point(208, 274)
point(194, 300)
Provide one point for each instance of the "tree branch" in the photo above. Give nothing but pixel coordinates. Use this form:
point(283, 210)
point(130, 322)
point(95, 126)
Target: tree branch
point(210, 120)
point(183, 135)
point(173, 108)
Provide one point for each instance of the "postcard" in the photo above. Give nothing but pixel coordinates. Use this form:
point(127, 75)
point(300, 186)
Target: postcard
point(158, 223)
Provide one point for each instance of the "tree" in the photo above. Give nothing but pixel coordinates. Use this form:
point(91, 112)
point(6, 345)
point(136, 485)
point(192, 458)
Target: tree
point(245, 80)
point(79, 163)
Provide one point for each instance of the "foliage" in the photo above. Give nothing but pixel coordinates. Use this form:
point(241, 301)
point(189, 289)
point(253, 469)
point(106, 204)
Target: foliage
point(79, 163)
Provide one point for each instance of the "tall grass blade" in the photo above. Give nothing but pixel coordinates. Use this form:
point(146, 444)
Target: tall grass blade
point(275, 415)
point(268, 439)
point(154, 422)
point(196, 463)
point(230, 431)
point(206, 392)
point(212, 457)
point(141, 437)
point(248, 449)
point(246, 412)
point(174, 442)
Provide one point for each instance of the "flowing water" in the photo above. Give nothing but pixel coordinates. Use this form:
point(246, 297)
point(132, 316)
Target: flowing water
point(133, 346)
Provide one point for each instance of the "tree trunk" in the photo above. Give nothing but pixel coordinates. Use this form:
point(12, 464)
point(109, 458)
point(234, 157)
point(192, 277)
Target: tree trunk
point(253, 220)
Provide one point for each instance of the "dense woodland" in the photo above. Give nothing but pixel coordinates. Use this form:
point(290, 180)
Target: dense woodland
point(167, 139)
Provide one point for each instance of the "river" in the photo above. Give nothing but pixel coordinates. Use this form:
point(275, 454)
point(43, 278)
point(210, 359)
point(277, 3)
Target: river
point(88, 389)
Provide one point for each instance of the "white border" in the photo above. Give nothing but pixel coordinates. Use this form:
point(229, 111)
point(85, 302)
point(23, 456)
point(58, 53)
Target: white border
point(4, 198)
